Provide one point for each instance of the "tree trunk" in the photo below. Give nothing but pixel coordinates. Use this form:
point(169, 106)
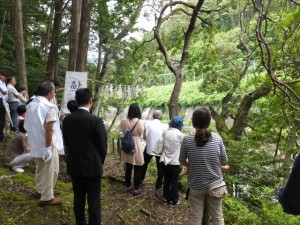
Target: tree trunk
point(240, 120)
point(2, 27)
point(83, 41)
point(19, 40)
point(48, 33)
point(74, 33)
point(52, 65)
point(174, 99)
point(177, 70)
point(98, 86)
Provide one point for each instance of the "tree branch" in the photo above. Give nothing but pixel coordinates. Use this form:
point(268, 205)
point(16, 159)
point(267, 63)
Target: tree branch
point(267, 58)
point(297, 3)
point(117, 39)
point(220, 121)
point(245, 105)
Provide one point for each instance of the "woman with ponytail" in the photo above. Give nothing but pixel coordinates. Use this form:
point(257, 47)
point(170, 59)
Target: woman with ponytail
point(206, 154)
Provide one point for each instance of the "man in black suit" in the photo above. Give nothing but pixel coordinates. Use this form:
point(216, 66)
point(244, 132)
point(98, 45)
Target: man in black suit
point(86, 146)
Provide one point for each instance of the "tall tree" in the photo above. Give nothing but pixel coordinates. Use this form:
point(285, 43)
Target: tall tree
point(83, 40)
point(19, 40)
point(109, 45)
point(74, 34)
point(177, 66)
point(53, 57)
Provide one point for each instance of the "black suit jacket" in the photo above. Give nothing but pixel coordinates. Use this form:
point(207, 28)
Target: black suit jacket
point(86, 143)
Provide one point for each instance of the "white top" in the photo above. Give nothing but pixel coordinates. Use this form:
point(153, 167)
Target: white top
point(14, 95)
point(3, 88)
point(39, 112)
point(172, 139)
point(153, 131)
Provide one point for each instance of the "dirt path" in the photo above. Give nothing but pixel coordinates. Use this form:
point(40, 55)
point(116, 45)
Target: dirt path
point(148, 208)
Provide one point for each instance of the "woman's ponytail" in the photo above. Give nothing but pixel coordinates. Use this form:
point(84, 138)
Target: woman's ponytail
point(201, 121)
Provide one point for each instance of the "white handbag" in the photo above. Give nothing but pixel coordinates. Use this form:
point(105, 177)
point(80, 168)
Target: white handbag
point(159, 146)
point(218, 190)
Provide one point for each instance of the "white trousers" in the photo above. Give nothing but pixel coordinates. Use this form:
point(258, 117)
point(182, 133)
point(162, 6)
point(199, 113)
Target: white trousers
point(46, 175)
point(21, 160)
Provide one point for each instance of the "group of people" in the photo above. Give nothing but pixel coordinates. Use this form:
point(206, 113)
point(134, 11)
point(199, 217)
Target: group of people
point(203, 155)
point(84, 139)
point(11, 99)
point(40, 139)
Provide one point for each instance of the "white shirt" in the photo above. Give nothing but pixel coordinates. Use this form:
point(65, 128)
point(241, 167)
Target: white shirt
point(153, 130)
point(39, 112)
point(14, 95)
point(3, 88)
point(172, 139)
point(87, 109)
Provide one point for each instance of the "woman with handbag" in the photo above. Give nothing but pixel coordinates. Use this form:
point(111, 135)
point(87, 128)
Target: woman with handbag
point(206, 155)
point(133, 161)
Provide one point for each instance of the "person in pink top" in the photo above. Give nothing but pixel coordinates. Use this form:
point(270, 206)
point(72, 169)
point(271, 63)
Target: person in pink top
point(21, 110)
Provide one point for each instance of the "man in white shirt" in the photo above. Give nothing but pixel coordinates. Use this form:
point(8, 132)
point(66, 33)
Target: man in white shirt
point(3, 96)
point(14, 99)
point(45, 141)
point(153, 131)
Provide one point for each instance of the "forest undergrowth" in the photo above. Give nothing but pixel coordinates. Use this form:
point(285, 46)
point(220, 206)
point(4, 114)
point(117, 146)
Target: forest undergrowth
point(18, 206)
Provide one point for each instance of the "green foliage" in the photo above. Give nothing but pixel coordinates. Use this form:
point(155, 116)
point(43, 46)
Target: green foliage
point(236, 213)
point(266, 212)
point(189, 96)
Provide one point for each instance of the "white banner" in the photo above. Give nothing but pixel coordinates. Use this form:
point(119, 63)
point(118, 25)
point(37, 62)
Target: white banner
point(74, 81)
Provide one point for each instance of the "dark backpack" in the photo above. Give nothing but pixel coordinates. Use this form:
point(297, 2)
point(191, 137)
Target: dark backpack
point(127, 142)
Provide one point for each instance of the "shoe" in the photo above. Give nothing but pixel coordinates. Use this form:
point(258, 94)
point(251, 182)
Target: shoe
point(37, 195)
point(179, 202)
point(129, 189)
point(166, 202)
point(158, 186)
point(54, 201)
point(17, 169)
point(13, 129)
point(136, 193)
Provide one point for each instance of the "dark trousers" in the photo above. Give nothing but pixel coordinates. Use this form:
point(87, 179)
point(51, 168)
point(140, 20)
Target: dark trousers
point(136, 175)
point(90, 188)
point(13, 106)
point(159, 166)
point(170, 190)
point(2, 119)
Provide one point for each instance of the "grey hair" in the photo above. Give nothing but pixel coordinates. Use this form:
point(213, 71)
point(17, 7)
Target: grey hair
point(45, 88)
point(157, 114)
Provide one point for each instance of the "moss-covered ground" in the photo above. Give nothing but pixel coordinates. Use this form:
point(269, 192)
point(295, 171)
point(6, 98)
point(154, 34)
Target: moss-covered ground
point(18, 206)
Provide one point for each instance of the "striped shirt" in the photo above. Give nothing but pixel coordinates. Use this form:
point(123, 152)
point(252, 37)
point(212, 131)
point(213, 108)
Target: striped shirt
point(204, 162)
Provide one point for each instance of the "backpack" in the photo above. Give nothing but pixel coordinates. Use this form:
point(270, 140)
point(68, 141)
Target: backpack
point(127, 142)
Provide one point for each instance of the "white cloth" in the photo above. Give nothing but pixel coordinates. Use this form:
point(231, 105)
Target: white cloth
point(14, 95)
point(34, 125)
point(172, 143)
point(153, 130)
point(3, 88)
point(7, 115)
point(84, 108)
